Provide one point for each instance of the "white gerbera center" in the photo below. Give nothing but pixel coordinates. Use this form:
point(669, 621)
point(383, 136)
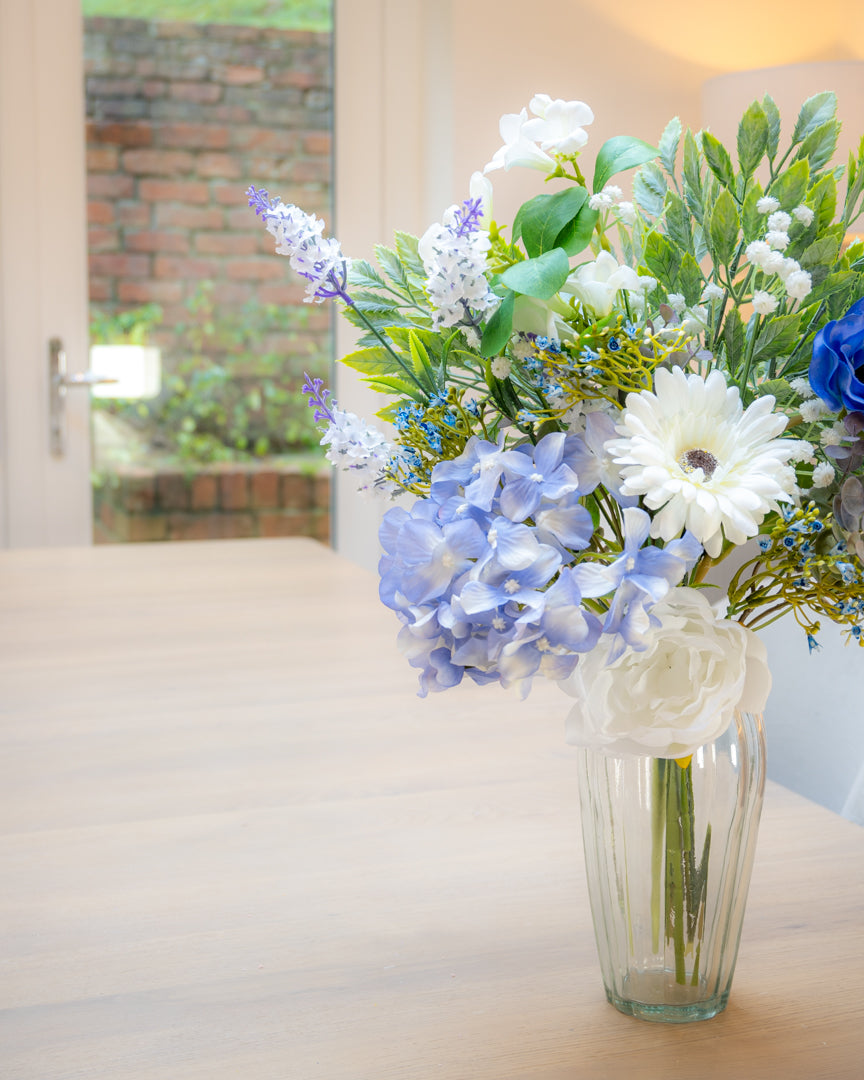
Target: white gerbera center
point(694, 454)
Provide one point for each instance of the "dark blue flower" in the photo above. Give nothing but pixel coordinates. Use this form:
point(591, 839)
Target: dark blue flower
point(837, 365)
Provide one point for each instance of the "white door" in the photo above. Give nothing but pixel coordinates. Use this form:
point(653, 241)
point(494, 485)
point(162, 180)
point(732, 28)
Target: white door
point(45, 497)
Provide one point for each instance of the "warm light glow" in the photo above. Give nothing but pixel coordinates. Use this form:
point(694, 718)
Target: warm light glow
point(136, 369)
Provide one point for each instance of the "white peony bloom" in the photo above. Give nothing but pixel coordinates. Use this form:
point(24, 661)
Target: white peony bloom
point(518, 148)
point(677, 694)
point(596, 283)
point(558, 126)
point(764, 303)
point(693, 453)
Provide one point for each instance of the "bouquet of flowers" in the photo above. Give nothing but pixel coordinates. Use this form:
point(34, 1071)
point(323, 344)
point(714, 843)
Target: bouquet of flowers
point(593, 411)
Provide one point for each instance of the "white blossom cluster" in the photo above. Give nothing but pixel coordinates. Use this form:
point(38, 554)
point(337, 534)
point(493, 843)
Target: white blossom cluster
point(318, 259)
point(357, 446)
point(454, 259)
point(611, 198)
point(767, 254)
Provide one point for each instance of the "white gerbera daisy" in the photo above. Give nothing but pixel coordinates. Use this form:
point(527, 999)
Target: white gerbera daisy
point(698, 457)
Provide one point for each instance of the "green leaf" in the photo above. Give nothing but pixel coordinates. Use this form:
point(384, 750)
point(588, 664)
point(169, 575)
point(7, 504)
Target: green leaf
point(718, 159)
point(690, 279)
point(772, 113)
point(576, 235)
point(820, 258)
point(499, 327)
point(541, 277)
point(376, 360)
point(752, 138)
point(692, 176)
point(617, 154)
point(388, 260)
point(724, 228)
point(779, 389)
point(540, 220)
point(392, 384)
point(406, 249)
point(364, 275)
point(777, 337)
point(733, 339)
point(668, 145)
point(677, 218)
point(662, 259)
point(815, 112)
point(752, 222)
point(649, 189)
point(820, 145)
point(842, 281)
point(420, 358)
point(790, 187)
point(823, 201)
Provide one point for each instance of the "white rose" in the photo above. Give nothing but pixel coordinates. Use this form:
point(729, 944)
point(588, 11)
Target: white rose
point(677, 694)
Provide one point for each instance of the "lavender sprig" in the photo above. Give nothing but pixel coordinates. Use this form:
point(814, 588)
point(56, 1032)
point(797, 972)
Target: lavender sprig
point(318, 399)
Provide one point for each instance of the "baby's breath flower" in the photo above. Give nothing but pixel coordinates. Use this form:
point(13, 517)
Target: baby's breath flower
point(813, 410)
point(757, 252)
point(823, 475)
point(833, 435)
point(627, 213)
point(523, 349)
point(802, 387)
point(767, 204)
point(773, 262)
point(801, 450)
point(788, 266)
point(600, 201)
point(798, 284)
point(780, 221)
point(803, 214)
point(501, 367)
point(764, 303)
point(677, 302)
point(712, 292)
point(777, 239)
point(613, 191)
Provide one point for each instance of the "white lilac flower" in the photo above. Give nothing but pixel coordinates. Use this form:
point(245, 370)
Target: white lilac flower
point(501, 367)
point(757, 252)
point(804, 214)
point(767, 204)
point(823, 475)
point(693, 453)
point(677, 302)
point(798, 284)
point(779, 220)
point(712, 292)
point(777, 239)
point(454, 258)
point(627, 213)
point(764, 303)
point(558, 126)
point(814, 409)
point(298, 236)
point(363, 450)
point(597, 283)
point(802, 387)
point(675, 694)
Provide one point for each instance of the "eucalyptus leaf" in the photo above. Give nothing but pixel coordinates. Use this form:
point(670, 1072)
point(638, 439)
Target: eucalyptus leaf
point(576, 234)
point(823, 201)
point(661, 258)
point(618, 154)
point(752, 222)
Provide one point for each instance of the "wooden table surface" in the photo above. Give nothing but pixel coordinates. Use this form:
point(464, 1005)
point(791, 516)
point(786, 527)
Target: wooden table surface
point(235, 844)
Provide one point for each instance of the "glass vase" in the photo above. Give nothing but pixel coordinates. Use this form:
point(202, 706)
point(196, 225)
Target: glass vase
point(669, 847)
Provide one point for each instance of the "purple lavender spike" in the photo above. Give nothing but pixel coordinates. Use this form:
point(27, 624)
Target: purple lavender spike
point(260, 201)
point(318, 399)
point(468, 217)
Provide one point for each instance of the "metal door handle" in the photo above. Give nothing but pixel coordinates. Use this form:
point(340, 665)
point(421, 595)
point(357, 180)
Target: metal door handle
point(59, 383)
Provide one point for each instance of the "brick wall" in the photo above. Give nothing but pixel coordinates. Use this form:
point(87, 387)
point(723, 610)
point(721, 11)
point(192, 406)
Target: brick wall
point(216, 502)
point(181, 119)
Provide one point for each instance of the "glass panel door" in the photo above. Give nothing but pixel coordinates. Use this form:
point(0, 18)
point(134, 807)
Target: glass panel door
point(205, 433)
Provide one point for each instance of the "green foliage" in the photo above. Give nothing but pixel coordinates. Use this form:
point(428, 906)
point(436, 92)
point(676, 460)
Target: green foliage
point(132, 327)
point(619, 154)
point(228, 395)
point(280, 14)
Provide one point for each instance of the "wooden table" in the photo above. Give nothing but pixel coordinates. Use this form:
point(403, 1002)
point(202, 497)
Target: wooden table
point(235, 844)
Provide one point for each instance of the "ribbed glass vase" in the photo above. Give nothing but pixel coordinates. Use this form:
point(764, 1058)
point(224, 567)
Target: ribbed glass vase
point(669, 847)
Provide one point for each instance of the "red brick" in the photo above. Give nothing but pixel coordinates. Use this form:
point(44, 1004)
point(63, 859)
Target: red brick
point(233, 490)
point(237, 526)
point(221, 166)
point(189, 191)
point(254, 269)
point(99, 239)
point(133, 213)
point(317, 142)
point(99, 289)
point(239, 75)
point(153, 88)
point(194, 527)
point(176, 30)
point(256, 138)
point(172, 490)
point(172, 243)
point(308, 171)
point(138, 492)
point(120, 265)
point(321, 486)
point(205, 492)
point(221, 243)
point(303, 80)
point(264, 489)
point(231, 195)
point(194, 136)
point(297, 492)
point(110, 185)
point(190, 217)
point(230, 114)
point(100, 213)
point(285, 524)
point(102, 158)
point(99, 86)
point(158, 162)
point(138, 133)
point(146, 529)
point(286, 295)
point(150, 292)
point(232, 293)
point(177, 268)
point(201, 93)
